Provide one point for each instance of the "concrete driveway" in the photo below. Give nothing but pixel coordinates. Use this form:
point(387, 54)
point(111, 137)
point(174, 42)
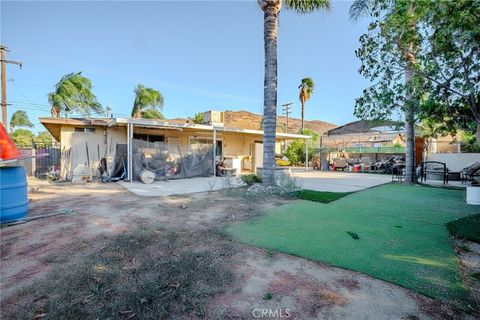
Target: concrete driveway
point(339, 181)
point(180, 186)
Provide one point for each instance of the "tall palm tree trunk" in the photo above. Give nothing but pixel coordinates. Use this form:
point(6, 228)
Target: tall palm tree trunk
point(303, 117)
point(410, 173)
point(271, 10)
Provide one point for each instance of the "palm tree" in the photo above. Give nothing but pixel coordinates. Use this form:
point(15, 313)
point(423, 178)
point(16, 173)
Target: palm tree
point(19, 119)
point(271, 9)
point(151, 114)
point(73, 93)
point(306, 89)
point(148, 103)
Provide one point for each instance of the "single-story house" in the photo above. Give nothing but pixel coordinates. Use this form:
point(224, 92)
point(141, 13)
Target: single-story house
point(85, 142)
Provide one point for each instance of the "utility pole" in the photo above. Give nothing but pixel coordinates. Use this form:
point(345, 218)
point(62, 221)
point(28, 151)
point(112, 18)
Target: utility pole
point(286, 111)
point(4, 61)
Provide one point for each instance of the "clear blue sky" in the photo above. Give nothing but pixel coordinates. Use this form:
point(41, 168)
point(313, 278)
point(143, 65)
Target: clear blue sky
point(200, 54)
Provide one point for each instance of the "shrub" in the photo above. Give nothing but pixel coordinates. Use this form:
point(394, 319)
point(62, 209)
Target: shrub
point(295, 151)
point(250, 179)
point(286, 187)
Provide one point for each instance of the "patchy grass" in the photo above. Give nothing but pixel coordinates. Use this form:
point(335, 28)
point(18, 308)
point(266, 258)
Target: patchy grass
point(467, 228)
point(320, 196)
point(401, 231)
point(147, 274)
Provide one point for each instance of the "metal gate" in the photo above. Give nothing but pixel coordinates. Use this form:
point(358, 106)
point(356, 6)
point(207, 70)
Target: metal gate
point(43, 166)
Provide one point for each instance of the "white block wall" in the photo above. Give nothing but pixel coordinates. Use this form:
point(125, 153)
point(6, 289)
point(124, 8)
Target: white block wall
point(454, 161)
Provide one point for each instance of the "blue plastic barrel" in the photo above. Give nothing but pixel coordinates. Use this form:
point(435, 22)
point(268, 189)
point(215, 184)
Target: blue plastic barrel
point(13, 194)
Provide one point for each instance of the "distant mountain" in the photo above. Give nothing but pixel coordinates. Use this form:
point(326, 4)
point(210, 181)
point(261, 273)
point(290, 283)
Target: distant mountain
point(249, 120)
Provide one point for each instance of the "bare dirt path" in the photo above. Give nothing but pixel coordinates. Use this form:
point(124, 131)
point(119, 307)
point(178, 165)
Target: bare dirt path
point(268, 283)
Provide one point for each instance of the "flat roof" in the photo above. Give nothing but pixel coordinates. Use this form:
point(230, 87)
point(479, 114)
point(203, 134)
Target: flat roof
point(53, 126)
point(165, 124)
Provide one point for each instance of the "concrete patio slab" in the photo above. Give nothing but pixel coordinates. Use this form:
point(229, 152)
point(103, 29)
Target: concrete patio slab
point(339, 181)
point(313, 180)
point(181, 186)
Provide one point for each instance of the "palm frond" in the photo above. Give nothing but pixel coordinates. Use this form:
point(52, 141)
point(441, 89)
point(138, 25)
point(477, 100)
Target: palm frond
point(20, 119)
point(152, 114)
point(74, 93)
point(306, 6)
point(146, 99)
point(359, 9)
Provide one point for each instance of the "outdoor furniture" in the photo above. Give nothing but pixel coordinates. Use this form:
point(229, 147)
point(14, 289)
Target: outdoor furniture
point(469, 172)
point(433, 168)
point(398, 172)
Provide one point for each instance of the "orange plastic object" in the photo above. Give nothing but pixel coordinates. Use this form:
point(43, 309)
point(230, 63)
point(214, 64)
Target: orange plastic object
point(8, 150)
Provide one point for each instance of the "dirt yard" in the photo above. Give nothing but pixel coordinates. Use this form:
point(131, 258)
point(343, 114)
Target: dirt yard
point(98, 221)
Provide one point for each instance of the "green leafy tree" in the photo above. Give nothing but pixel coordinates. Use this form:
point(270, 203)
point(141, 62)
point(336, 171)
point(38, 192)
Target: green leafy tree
point(148, 101)
point(73, 93)
point(388, 54)
point(271, 10)
point(43, 138)
point(296, 150)
point(314, 136)
point(450, 63)
point(198, 118)
point(306, 89)
point(19, 119)
point(23, 138)
point(469, 142)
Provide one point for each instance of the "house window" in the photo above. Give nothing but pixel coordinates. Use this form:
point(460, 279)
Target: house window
point(201, 140)
point(149, 137)
point(85, 130)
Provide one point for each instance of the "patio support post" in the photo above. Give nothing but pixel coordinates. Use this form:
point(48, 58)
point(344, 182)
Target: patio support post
point(214, 151)
point(129, 151)
point(306, 154)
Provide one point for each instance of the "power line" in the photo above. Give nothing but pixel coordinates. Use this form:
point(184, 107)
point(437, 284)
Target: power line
point(19, 90)
point(16, 106)
point(31, 103)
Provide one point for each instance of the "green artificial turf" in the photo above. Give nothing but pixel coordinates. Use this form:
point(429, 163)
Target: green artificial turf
point(467, 228)
point(320, 196)
point(401, 232)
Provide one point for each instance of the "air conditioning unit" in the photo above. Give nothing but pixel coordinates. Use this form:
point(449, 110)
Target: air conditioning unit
point(213, 118)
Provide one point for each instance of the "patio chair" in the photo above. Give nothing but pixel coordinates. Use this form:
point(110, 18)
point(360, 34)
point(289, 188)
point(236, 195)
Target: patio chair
point(398, 172)
point(470, 172)
point(432, 168)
